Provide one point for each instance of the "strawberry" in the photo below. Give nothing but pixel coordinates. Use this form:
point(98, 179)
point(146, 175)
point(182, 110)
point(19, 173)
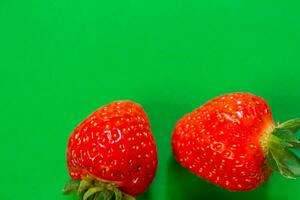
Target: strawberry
point(233, 142)
point(112, 153)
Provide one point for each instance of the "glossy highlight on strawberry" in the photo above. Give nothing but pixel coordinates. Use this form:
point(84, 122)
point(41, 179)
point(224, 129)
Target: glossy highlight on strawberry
point(114, 145)
point(232, 141)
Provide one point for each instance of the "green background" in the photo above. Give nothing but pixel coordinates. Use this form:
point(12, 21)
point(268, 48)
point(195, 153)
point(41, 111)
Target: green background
point(62, 59)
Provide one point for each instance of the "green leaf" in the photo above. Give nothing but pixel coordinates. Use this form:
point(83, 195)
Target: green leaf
point(271, 161)
point(84, 185)
point(105, 195)
point(128, 197)
point(292, 157)
point(282, 144)
point(118, 195)
point(96, 196)
point(283, 169)
point(284, 134)
point(71, 186)
point(293, 125)
point(91, 192)
point(90, 188)
point(91, 197)
point(296, 145)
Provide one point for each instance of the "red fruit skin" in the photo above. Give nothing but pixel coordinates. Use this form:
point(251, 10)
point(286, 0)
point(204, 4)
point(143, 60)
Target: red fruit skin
point(221, 141)
point(115, 144)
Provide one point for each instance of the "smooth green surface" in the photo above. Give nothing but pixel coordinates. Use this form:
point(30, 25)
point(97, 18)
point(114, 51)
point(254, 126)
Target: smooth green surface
point(61, 59)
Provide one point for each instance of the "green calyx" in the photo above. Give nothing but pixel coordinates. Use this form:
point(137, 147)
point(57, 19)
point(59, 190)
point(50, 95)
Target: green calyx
point(283, 149)
point(90, 188)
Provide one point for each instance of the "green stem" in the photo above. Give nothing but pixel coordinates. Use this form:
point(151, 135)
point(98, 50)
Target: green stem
point(91, 188)
point(283, 149)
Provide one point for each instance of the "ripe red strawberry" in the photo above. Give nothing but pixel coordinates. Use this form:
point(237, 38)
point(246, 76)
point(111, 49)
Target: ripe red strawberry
point(112, 153)
point(233, 142)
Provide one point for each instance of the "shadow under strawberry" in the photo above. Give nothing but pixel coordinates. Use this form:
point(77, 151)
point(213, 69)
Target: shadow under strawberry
point(182, 184)
point(144, 196)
